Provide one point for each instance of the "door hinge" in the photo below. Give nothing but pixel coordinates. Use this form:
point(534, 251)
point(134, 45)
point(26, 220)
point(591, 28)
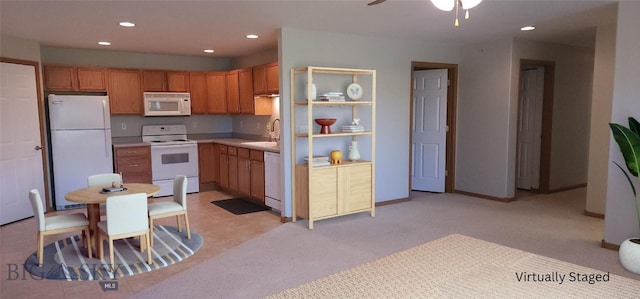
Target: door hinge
point(448, 82)
point(447, 128)
point(446, 173)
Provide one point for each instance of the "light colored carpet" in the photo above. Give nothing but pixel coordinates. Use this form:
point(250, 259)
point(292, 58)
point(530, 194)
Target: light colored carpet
point(458, 266)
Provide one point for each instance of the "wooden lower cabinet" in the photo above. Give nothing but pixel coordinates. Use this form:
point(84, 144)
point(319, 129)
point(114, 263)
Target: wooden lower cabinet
point(257, 175)
point(134, 163)
point(223, 153)
point(333, 191)
point(208, 166)
point(244, 171)
point(233, 168)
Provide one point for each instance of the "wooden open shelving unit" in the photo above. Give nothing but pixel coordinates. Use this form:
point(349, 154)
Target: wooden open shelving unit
point(322, 192)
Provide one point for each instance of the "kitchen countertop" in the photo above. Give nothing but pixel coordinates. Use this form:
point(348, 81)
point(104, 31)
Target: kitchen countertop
point(245, 143)
point(238, 142)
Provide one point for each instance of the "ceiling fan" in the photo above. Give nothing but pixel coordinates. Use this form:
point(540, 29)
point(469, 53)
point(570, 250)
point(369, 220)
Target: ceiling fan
point(376, 2)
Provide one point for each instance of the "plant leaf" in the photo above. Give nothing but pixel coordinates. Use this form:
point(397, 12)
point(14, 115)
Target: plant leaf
point(634, 126)
point(629, 143)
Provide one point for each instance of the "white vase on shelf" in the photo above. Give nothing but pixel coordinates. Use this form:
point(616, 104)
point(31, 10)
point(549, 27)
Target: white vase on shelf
point(354, 153)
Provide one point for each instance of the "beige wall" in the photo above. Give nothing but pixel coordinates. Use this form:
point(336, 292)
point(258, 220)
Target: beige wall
point(621, 221)
point(600, 117)
point(19, 48)
point(571, 108)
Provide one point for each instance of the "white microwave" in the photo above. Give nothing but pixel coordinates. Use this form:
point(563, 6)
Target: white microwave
point(167, 103)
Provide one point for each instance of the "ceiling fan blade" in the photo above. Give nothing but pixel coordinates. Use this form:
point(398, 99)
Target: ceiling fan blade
point(376, 2)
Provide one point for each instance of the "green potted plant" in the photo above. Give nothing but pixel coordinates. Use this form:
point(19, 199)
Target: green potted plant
point(628, 140)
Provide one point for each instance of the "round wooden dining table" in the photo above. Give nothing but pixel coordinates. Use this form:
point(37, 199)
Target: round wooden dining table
point(93, 197)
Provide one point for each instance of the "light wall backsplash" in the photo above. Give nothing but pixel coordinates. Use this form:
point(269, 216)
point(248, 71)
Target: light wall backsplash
point(258, 126)
point(196, 124)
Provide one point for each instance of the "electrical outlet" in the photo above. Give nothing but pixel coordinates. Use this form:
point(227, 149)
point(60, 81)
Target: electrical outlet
point(241, 124)
point(124, 126)
point(257, 125)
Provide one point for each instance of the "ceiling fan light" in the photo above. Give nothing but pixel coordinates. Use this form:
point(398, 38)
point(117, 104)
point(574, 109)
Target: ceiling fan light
point(469, 4)
point(446, 5)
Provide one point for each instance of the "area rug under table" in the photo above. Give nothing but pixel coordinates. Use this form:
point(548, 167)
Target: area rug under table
point(457, 266)
point(67, 259)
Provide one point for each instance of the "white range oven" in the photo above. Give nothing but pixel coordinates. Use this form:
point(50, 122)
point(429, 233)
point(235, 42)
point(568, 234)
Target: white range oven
point(172, 154)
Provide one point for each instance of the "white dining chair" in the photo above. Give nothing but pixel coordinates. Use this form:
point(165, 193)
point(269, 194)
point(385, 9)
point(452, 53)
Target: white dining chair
point(106, 180)
point(176, 207)
point(57, 224)
point(126, 217)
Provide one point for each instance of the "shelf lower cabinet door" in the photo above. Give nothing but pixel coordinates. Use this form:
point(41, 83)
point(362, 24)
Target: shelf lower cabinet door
point(357, 188)
point(333, 191)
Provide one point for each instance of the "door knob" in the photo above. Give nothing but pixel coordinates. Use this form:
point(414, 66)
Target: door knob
point(38, 147)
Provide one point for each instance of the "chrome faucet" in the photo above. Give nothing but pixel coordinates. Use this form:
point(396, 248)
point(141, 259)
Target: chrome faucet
point(275, 136)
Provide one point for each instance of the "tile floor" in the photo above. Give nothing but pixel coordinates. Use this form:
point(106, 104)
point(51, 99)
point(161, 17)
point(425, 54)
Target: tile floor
point(220, 229)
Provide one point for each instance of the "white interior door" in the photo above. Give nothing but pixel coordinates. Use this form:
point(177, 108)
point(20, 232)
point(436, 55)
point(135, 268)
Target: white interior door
point(529, 128)
point(429, 130)
point(20, 145)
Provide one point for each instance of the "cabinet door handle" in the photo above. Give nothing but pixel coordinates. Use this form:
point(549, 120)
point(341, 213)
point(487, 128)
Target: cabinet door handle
point(133, 165)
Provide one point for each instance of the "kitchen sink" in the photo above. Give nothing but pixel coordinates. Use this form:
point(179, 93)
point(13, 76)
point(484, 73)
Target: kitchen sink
point(263, 143)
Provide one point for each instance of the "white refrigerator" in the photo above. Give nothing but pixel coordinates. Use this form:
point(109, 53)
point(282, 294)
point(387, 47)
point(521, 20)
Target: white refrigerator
point(80, 142)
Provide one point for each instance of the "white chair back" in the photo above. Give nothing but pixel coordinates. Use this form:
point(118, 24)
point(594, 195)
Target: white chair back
point(38, 210)
point(180, 190)
point(104, 179)
point(127, 213)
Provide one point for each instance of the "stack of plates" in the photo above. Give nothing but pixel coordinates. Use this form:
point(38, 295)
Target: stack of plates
point(352, 128)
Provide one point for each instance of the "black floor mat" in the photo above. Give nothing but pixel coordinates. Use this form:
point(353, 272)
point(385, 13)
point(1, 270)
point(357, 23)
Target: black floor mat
point(240, 205)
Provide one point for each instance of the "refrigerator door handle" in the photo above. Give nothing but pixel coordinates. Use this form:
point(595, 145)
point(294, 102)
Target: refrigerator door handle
point(57, 102)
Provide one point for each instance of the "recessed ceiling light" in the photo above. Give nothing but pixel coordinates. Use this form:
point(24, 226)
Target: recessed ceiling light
point(127, 24)
point(209, 51)
point(527, 28)
point(104, 43)
point(252, 36)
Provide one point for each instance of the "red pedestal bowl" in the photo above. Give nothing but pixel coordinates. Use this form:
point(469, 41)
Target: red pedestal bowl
point(325, 124)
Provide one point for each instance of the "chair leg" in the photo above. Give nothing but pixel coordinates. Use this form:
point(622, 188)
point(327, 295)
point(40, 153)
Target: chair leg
point(151, 231)
point(113, 265)
point(186, 223)
point(40, 248)
point(146, 239)
point(178, 220)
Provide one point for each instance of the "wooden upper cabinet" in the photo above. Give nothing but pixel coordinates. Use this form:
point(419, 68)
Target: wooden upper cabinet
point(233, 92)
point(92, 78)
point(245, 86)
point(155, 80)
point(272, 78)
point(260, 79)
point(198, 90)
point(124, 91)
point(72, 78)
point(265, 79)
point(216, 92)
point(178, 81)
point(60, 77)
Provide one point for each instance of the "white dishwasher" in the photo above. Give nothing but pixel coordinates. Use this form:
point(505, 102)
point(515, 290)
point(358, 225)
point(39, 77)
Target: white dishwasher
point(273, 180)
